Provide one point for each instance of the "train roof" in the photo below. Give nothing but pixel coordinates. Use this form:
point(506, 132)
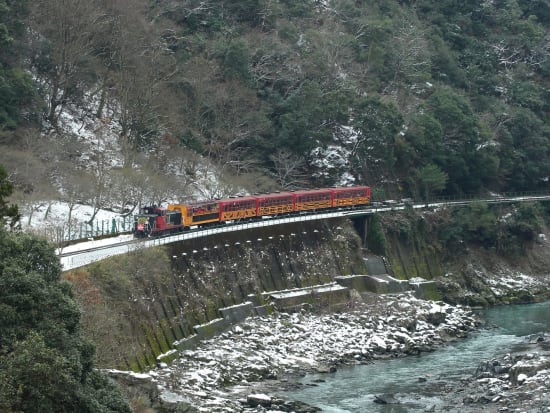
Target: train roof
point(348, 188)
point(272, 195)
point(238, 199)
point(314, 191)
point(275, 195)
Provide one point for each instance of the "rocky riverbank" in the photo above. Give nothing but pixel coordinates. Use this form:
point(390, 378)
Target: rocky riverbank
point(517, 382)
point(244, 368)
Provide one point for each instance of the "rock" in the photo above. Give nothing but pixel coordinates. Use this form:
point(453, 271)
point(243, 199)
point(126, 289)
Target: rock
point(527, 368)
point(386, 398)
point(255, 400)
point(491, 368)
point(436, 318)
point(294, 406)
point(326, 369)
point(468, 400)
point(521, 378)
point(535, 338)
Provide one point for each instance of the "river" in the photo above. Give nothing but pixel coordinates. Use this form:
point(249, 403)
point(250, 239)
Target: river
point(419, 382)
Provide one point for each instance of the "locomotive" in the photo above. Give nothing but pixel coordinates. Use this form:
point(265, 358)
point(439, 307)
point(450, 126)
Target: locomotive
point(157, 221)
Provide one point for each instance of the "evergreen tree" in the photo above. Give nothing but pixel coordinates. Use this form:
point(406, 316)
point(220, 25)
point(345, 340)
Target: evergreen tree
point(45, 364)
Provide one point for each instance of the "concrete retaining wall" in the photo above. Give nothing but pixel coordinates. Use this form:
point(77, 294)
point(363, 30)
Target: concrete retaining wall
point(324, 295)
point(237, 313)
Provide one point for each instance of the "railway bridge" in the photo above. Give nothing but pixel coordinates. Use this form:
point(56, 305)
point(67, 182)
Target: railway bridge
point(85, 253)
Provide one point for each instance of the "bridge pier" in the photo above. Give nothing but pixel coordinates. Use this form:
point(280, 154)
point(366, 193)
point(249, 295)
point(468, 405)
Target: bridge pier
point(360, 223)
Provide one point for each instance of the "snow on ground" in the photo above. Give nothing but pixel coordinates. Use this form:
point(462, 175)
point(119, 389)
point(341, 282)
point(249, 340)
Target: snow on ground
point(512, 281)
point(94, 243)
point(223, 370)
point(51, 219)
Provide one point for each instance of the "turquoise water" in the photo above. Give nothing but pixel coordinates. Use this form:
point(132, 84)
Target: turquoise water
point(353, 389)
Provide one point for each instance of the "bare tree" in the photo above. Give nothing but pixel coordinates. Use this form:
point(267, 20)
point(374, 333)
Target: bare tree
point(98, 190)
point(411, 57)
point(30, 172)
point(63, 39)
point(74, 184)
point(138, 65)
point(289, 169)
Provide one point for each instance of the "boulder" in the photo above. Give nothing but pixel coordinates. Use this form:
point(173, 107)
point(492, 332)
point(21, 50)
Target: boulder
point(386, 398)
point(528, 367)
point(255, 400)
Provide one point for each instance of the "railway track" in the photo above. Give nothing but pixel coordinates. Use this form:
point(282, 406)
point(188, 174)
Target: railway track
point(85, 253)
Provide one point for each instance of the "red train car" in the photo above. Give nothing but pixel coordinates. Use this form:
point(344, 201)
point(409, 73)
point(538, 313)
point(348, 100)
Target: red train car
point(352, 196)
point(237, 208)
point(275, 204)
point(312, 200)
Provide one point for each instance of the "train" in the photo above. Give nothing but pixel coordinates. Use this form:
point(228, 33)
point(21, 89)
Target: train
point(158, 221)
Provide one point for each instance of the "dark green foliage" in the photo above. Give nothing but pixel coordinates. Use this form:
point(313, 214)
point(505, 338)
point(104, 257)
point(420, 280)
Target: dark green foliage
point(235, 59)
point(507, 230)
point(307, 117)
point(16, 90)
point(378, 124)
point(16, 86)
point(529, 151)
point(460, 154)
point(431, 180)
point(46, 364)
point(302, 9)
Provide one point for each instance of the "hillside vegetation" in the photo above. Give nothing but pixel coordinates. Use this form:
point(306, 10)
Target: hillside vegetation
point(415, 98)
point(46, 364)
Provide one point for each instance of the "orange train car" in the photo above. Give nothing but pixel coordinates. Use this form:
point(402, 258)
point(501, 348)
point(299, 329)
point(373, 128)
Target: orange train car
point(199, 213)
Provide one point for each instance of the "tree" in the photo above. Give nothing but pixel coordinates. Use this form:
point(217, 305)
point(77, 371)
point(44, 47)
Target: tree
point(289, 169)
point(463, 139)
point(63, 42)
point(16, 86)
point(378, 124)
point(530, 151)
point(431, 179)
point(46, 364)
point(9, 214)
point(409, 59)
point(307, 117)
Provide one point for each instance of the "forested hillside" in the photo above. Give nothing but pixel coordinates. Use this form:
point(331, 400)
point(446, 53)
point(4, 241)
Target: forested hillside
point(134, 101)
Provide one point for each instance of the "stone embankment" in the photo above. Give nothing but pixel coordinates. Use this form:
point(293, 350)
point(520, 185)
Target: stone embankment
point(242, 368)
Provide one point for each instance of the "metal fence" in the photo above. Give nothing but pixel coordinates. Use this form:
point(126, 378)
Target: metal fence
point(100, 228)
point(82, 230)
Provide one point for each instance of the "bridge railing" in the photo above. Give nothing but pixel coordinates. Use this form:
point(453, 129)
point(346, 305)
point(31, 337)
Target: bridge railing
point(473, 197)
